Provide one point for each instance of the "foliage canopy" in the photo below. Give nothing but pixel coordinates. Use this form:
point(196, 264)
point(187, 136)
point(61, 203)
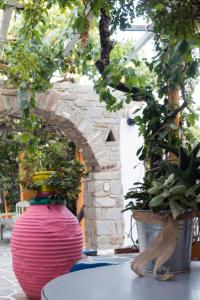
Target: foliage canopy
point(38, 51)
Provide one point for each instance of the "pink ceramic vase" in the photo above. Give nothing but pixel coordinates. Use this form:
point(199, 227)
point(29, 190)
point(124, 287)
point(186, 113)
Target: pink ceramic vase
point(46, 242)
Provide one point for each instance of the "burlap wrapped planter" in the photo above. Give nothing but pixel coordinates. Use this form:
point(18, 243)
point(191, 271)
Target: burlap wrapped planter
point(46, 242)
point(165, 244)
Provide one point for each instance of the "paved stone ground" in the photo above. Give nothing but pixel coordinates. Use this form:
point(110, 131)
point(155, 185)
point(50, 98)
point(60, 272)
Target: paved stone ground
point(9, 287)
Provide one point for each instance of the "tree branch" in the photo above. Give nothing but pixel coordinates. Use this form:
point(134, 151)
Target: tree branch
point(106, 47)
point(170, 116)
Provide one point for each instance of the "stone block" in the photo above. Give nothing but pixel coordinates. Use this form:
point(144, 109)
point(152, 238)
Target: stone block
point(116, 240)
point(90, 213)
point(101, 193)
point(41, 101)
point(112, 175)
point(69, 96)
point(52, 100)
point(90, 97)
point(83, 103)
point(114, 156)
point(100, 104)
point(99, 213)
point(95, 136)
point(81, 88)
point(107, 114)
point(93, 213)
point(112, 145)
point(103, 240)
point(94, 186)
point(108, 121)
point(9, 92)
point(76, 117)
point(62, 86)
point(90, 228)
point(103, 243)
point(83, 126)
point(91, 186)
point(88, 199)
point(66, 115)
point(113, 214)
point(60, 108)
point(99, 150)
point(114, 148)
point(95, 112)
point(113, 115)
point(9, 102)
point(98, 185)
point(106, 186)
point(104, 202)
point(116, 187)
point(119, 201)
point(102, 156)
point(105, 228)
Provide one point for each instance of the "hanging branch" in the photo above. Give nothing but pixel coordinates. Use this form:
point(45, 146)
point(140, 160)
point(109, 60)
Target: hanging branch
point(106, 43)
point(170, 117)
point(196, 6)
point(106, 47)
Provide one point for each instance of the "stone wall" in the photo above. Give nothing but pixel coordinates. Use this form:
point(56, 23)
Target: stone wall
point(77, 113)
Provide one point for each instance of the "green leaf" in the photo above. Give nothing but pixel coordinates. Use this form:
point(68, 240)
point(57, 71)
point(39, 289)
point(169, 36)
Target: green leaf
point(175, 208)
point(81, 24)
point(25, 137)
point(159, 7)
point(156, 201)
point(139, 151)
point(166, 193)
point(181, 47)
point(169, 180)
point(178, 189)
point(195, 189)
point(154, 190)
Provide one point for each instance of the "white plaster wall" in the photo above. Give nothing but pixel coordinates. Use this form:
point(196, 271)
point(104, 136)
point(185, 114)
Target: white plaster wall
point(130, 142)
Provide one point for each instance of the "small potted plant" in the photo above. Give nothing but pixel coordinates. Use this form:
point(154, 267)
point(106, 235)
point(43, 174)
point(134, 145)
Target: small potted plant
point(47, 239)
point(163, 207)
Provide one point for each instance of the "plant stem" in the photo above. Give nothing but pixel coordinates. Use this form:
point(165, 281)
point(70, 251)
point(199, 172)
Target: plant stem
point(173, 99)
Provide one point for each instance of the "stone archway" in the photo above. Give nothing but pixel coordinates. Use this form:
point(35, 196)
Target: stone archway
point(77, 112)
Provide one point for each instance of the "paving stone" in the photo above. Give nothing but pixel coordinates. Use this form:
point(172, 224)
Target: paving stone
point(5, 284)
point(20, 296)
point(6, 292)
point(9, 286)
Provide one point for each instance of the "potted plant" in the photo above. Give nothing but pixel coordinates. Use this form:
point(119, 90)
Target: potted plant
point(163, 207)
point(47, 239)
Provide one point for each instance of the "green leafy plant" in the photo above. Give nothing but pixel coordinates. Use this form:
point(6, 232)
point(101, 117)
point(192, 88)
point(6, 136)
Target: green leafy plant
point(56, 156)
point(9, 163)
point(45, 25)
point(54, 152)
point(173, 187)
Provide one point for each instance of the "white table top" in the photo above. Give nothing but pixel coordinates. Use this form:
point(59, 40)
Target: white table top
point(121, 283)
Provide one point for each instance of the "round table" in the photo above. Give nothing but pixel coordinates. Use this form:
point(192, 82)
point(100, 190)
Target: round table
point(120, 283)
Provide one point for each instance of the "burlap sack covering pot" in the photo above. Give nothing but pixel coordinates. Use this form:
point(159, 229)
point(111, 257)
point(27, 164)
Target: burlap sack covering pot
point(163, 246)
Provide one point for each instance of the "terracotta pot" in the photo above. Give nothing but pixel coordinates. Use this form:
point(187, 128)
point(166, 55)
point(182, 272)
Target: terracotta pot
point(46, 242)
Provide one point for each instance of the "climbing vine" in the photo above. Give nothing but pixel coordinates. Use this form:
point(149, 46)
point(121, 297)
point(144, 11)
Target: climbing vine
point(37, 52)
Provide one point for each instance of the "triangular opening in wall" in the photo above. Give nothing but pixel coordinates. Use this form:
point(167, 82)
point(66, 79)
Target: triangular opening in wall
point(110, 137)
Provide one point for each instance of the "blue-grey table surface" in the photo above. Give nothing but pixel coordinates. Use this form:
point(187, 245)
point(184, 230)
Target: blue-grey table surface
point(121, 283)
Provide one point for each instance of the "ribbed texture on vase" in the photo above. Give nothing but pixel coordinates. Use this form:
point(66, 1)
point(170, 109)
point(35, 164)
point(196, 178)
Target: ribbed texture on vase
point(46, 242)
